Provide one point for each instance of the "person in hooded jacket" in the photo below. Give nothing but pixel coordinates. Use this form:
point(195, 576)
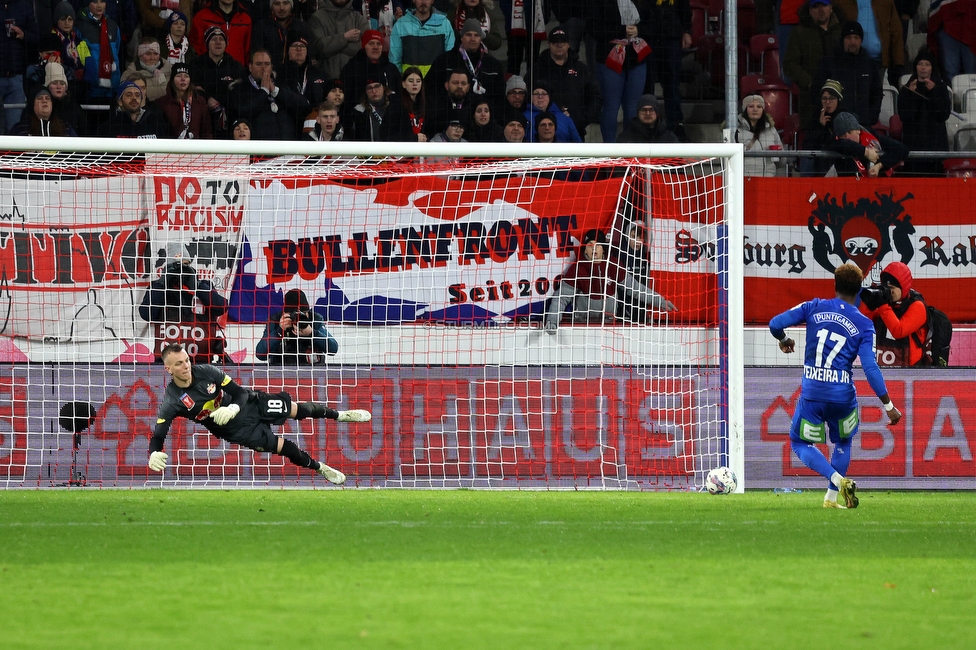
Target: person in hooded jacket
point(924, 105)
point(898, 312)
point(649, 126)
point(40, 119)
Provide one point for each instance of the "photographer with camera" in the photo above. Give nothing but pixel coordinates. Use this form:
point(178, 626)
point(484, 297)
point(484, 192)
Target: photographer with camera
point(296, 336)
point(898, 312)
point(185, 310)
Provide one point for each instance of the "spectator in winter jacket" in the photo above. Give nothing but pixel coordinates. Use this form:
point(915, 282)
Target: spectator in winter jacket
point(184, 108)
point(276, 32)
point(150, 61)
point(65, 104)
point(649, 126)
point(821, 132)
point(420, 37)
point(378, 119)
point(328, 127)
point(482, 127)
point(884, 40)
point(233, 19)
point(542, 102)
point(573, 85)
point(757, 132)
point(336, 32)
point(275, 112)
point(213, 74)
point(131, 119)
point(857, 72)
point(19, 38)
point(369, 63)
point(865, 154)
point(154, 16)
point(924, 105)
point(515, 126)
point(301, 75)
point(175, 42)
point(74, 67)
point(816, 36)
point(487, 13)
point(414, 100)
point(100, 50)
point(486, 73)
point(458, 98)
point(40, 118)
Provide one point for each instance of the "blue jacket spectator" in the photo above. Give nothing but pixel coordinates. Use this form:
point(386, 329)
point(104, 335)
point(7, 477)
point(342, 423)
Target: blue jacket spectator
point(420, 36)
point(565, 127)
point(103, 69)
point(296, 336)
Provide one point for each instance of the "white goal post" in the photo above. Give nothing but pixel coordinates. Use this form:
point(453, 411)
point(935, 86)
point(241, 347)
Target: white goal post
point(454, 284)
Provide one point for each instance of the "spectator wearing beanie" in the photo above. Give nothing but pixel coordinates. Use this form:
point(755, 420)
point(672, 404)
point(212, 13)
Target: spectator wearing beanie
point(370, 62)
point(649, 126)
point(485, 71)
point(175, 43)
point(924, 105)
point(821, 133)
point(856, 71)
point(155, 17)
point(64, 103)
point(516, 93)
point(40, 118)
point(131, 119)
point(865, 154)
point(213, 74)
point(184, 108)
point(541, 101)
point(278, 30)
point(231, 17)
point(515, 126)
point(64, 29)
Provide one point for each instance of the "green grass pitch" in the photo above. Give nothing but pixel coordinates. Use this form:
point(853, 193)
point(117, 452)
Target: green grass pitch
point(469, 569)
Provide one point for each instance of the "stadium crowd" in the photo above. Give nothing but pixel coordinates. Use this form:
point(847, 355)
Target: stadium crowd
point(487, 70)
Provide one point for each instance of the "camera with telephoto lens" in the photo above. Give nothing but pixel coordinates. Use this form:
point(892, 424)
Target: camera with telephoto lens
point(180, 275)
point(874, 297)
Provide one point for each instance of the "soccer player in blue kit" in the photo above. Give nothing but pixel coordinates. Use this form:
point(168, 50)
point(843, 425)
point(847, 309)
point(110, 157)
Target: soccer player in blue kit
point(837, 332)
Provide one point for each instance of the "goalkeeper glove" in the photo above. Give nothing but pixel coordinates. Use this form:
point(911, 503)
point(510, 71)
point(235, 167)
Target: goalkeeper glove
point(157, 461)
point(225, 414)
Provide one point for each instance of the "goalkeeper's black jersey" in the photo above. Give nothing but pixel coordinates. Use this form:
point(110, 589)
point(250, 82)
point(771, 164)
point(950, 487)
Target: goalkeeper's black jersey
point(209, 389)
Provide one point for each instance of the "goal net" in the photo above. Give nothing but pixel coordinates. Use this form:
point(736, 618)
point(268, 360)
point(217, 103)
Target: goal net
point(513, 316)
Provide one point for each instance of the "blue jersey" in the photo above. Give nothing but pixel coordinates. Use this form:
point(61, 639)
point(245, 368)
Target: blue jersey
point(837, 333)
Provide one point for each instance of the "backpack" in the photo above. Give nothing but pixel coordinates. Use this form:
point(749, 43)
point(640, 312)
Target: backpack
point(935, 348)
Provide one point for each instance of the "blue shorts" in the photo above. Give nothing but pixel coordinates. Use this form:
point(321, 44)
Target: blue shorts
point(813, 421)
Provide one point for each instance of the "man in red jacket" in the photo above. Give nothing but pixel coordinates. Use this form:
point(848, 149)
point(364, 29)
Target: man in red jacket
point(230, 17)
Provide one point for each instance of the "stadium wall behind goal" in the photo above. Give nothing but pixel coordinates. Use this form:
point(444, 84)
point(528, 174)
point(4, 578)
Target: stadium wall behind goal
point(448, 426)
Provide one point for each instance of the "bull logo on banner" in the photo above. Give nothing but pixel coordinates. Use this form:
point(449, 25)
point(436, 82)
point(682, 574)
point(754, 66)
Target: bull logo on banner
point(862, 232)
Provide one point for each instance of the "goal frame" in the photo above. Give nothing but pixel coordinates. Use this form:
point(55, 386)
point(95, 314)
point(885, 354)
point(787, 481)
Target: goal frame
point(729, 234)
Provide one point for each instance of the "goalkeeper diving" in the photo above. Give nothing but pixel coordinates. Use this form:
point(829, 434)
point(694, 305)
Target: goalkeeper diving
point(208, 396)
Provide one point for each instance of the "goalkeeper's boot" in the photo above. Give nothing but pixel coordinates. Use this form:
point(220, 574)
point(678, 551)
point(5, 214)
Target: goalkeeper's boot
point(331, 474)
point(355, 415)
point(833, 504)
point(847, 489)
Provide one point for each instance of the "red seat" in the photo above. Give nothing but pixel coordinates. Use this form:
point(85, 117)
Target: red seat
point(764, 54)
point(960, 167)
point(778, 96)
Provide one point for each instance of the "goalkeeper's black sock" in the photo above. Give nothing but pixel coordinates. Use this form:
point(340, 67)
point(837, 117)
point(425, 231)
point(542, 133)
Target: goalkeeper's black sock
point(294, 453)
point(315, 410)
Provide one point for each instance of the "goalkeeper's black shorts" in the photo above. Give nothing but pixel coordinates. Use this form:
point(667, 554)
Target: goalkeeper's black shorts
point(255, 420)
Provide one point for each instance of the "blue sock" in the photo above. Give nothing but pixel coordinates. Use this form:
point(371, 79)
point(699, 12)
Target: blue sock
point(812, 458)
point(840, 458)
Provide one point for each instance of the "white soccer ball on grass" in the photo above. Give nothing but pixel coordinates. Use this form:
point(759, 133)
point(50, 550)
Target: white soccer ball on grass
point(721, 480)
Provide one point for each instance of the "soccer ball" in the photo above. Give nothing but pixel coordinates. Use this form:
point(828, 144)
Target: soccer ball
point(721, 480)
